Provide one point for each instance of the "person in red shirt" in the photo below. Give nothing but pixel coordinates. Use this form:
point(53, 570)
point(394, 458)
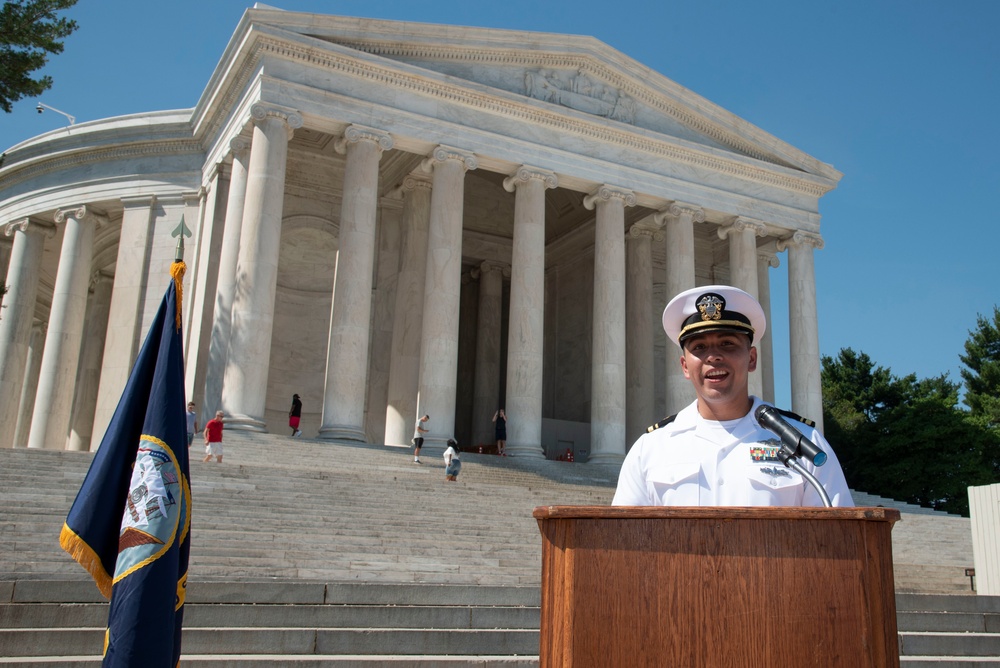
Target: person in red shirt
point(213, 438)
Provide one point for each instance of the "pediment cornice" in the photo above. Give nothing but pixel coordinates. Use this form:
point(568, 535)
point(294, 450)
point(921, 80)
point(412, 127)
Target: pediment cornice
point(579, 62)
point(393, 74)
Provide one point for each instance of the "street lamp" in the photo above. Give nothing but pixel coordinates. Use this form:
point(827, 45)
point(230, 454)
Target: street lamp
point(42, 107)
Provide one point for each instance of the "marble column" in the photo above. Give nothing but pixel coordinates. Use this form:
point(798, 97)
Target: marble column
point(766, 259)
point(350, 317)
point(607, 378)
point(404, 368)
point(486, 388)
point(678, 226)
point(205, 284)
point(639, 344)
point(803, 325)
point(386, 275)
point(26, 402)
point(132, 268)
point(54, 398)
point(16, 317)
point(229, 254)
point(742, 234)
point(89, 374)
point(442, 293)
point(244, 388)
point(526, 332)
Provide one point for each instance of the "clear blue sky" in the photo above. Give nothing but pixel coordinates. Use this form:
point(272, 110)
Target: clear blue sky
point(902, 96)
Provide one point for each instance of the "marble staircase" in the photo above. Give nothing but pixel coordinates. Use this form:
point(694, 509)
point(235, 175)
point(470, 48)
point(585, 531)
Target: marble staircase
point(355, 555)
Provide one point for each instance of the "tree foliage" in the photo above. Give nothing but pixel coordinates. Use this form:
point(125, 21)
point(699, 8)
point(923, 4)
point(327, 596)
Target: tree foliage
point(29, 32)
point(982, 377)
point(904, 438)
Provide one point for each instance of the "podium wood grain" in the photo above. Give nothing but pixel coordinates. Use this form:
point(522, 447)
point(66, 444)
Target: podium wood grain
point(684, 587)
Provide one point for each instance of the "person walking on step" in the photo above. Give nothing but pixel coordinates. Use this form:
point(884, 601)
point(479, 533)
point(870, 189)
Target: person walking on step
point(213, 438)
point(418, 437)
point(295, 415)
point(192, 423)
point(500, 432)
point(452, 464)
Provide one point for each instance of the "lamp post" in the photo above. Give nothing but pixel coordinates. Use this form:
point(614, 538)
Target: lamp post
point(42, 107)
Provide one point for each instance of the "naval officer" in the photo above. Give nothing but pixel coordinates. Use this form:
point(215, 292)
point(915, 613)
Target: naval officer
point(714, 452)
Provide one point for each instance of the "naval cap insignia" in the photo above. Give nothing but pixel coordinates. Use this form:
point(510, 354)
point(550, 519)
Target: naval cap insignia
point(711, 306)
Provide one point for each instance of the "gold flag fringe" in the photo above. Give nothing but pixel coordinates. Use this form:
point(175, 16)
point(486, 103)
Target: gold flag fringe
point(177, 270)
point(84, 555)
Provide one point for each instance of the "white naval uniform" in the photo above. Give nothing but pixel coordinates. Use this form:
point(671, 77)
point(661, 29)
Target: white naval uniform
point(697, 462)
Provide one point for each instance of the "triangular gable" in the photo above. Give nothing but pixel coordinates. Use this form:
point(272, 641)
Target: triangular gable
point(568, 71)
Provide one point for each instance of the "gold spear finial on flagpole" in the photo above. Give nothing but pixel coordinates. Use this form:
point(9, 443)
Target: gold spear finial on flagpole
point(178, 268)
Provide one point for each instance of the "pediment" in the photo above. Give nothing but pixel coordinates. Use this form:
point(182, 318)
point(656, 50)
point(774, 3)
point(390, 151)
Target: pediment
point(562, 73)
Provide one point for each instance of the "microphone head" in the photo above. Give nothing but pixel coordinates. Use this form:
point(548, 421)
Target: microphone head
point(761, 411)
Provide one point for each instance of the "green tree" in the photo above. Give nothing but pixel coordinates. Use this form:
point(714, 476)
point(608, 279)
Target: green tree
point(903, 438)
point(982, 377)
point(29, 32)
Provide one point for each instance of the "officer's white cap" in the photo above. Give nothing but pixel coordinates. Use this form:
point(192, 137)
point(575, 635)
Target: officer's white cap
point(713, 308)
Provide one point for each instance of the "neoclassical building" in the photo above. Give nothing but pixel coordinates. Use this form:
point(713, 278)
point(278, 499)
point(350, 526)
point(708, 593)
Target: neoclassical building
point(393, 219)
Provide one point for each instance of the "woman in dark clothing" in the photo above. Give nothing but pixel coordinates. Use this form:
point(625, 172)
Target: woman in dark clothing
point(295, 415)
point(500, 419)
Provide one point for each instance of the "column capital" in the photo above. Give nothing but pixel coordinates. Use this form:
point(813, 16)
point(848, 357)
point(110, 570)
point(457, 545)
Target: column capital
point(417, 180)
point(443, 153)
point(77, 212)
point(679, 209)
point(742, 224)
point(262, 111)
point(486, 266)
point(769, 259)
point(606, 193)
point(356, 133)
point(80, 213)
point(26, 224)
point(239, 144)
point(525, 174)
point(801, 238)
point(638, 231)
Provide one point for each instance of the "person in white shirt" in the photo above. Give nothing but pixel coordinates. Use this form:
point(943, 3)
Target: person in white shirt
point(714, 452)
point(452, 463)
point(418, 437)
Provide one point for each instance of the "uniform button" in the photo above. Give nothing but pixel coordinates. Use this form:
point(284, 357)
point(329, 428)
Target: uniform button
point(722, 481)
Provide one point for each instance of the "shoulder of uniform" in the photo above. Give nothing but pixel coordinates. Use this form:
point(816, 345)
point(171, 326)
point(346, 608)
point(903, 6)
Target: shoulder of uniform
point(662, 423)
point(795, 416)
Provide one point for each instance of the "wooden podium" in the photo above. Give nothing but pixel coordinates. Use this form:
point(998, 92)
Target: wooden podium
point(624, 587)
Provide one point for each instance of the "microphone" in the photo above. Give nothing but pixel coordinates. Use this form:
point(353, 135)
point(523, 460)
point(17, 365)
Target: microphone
point(770, 419)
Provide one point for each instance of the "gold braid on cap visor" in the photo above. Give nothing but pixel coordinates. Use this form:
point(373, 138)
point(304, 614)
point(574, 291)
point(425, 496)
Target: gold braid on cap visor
point(739, 324)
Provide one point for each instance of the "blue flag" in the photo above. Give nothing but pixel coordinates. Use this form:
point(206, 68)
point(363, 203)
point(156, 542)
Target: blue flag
point(130, 523)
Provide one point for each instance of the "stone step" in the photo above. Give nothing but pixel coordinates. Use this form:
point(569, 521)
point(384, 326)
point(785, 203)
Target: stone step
point(200, 615)
point(311, 661)
point(942, 643)
point(952, 622)
point(949, 662)
point(282, 640)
